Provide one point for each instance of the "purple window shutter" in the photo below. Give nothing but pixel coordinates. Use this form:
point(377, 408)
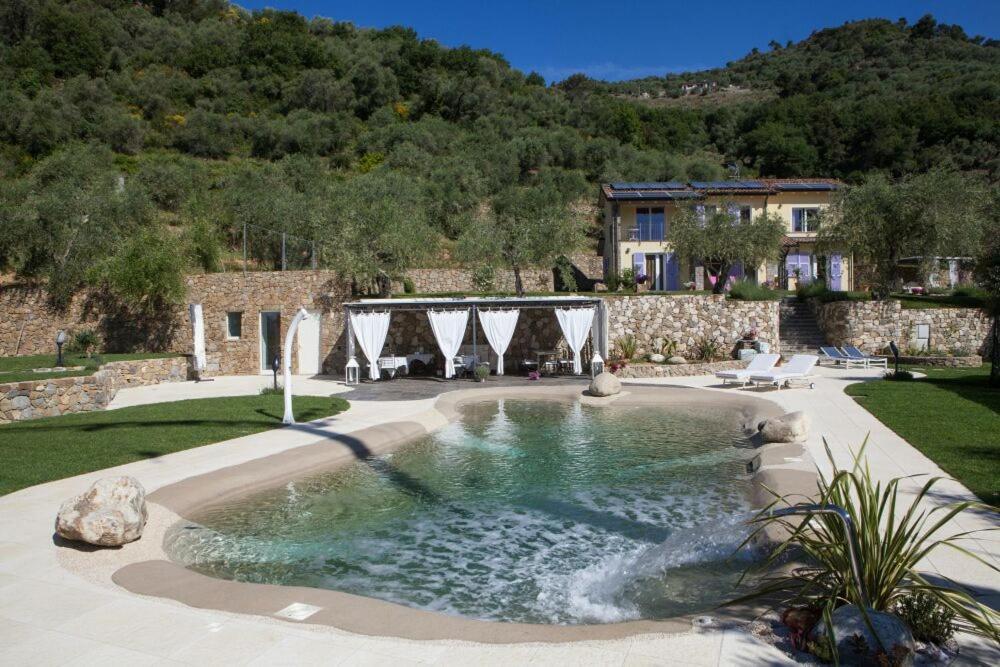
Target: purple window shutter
point(836, 272)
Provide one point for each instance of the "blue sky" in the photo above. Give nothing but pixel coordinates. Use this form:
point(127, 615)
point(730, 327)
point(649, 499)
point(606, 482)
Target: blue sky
point(628, 39)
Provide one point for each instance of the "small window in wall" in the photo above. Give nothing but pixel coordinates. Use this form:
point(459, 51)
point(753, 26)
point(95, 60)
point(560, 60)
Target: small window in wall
point(234, 325)
point(805, 219)
point(744, 214)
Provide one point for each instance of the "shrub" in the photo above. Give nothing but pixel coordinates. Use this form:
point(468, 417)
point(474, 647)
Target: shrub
point(744, 290)
point(628, 279)
point(85, 341)
point(968, 291)
point(899, 376)
point(613, 281)
point(626, 346)
point(805, 291)
point(929, 620)
point(708, 349)
point(482, 372)
point(272, 391)
point(483, 279)
point(895, 533)
point(408, 287)
point(565, 274)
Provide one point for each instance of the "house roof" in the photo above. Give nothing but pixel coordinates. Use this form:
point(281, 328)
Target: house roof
point(678, 190)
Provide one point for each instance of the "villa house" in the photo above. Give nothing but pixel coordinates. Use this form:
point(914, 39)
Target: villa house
point(637, 222)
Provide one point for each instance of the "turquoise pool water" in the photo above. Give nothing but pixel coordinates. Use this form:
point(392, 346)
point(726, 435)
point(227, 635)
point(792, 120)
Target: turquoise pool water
point(539, 512)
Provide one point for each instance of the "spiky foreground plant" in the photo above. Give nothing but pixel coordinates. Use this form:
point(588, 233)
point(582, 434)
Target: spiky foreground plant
point(892, 537)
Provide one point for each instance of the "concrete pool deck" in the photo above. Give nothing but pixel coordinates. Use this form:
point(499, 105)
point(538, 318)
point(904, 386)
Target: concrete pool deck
point(54, 614)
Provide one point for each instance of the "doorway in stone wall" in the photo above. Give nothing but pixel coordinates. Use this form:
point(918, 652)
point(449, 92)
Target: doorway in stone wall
point(270, 339)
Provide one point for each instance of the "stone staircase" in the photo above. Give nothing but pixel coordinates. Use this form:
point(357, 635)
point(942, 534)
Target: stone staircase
point(797, 328)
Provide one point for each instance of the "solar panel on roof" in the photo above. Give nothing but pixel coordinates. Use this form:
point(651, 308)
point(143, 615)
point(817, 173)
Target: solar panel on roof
point(647, 185)
point(806, 187)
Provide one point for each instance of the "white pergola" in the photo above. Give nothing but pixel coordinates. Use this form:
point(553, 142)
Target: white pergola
point(598, 327)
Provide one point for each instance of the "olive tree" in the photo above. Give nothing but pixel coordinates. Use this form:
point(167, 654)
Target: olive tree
point(988, 276)
point(720, 239)
point(939, 213)
point(524, 226)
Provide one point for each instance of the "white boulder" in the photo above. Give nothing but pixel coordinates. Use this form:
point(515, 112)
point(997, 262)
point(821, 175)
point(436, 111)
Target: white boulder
point(110, 513)
point(657, 358)
point(677, 360)
point(790, 427)
point(848, 622)
point(605, 384)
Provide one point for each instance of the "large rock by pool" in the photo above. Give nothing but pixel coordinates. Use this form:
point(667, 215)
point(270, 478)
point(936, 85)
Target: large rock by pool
point(790, 427)
point(112, 512)
point(605, 384)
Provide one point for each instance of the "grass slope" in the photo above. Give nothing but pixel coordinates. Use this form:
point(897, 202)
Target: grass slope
point(952, 416)
point(42, 450)
point(18, 369)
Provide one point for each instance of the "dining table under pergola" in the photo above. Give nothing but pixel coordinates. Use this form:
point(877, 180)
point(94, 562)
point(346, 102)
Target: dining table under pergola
point(367, 321)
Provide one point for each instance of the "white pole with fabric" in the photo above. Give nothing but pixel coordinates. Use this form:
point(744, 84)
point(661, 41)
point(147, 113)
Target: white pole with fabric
point(198, 324)
point(289, 418)
point(449, 330)
point(498, 325)
point(370, 329)
point(575, 324)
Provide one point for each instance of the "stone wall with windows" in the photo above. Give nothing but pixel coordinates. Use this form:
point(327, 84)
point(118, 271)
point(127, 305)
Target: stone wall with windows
point(690, 320)
point(871, 325)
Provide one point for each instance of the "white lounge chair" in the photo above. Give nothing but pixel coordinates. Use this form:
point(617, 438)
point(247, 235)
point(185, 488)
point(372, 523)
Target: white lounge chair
point(761, 363)
point(799, 366)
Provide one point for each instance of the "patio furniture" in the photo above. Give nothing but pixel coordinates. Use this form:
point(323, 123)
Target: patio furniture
point(466, 363)
point(761, 363)
point(392, 364)
point(837, 356)
point(425, 358)
point(799, 366)
point(542, 357)
point(855, 354)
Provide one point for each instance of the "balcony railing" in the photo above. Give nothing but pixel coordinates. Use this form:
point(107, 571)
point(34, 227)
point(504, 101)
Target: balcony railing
point(644, 232)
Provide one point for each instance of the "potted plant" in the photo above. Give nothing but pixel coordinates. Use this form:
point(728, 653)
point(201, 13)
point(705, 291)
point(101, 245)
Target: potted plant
point(482, 372)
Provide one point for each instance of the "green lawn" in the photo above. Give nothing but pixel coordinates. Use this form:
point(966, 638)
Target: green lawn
point(43, 450)
point(18, 369)
point(952, 416)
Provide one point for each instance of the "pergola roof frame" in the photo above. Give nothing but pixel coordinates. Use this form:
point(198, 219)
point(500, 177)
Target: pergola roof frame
point(599, 329)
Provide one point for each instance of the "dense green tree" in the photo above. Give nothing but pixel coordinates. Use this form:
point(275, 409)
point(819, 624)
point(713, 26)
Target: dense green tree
point(927, 215)
point(525, 226)
point(720, 239)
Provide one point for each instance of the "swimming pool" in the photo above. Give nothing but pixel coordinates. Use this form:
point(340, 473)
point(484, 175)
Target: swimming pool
point(548, 511)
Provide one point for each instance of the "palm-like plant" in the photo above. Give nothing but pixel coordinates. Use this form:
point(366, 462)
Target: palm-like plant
point(892, 538)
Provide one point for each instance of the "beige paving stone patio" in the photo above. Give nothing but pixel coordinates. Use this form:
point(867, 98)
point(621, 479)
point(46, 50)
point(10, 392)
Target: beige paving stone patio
point(53, 615)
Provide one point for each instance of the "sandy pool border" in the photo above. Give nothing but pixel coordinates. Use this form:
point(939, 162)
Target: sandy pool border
point(163, 578)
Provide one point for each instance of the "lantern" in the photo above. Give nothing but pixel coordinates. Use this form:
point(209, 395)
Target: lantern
point(596, 365)
point(352, 372)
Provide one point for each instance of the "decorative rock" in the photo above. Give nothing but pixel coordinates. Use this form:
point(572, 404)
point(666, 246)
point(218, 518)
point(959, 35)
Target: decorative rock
point(605, 384)
point(657, 358)
point(677, 360)
point(791, 427)
point(111, 513)
point(848, 621)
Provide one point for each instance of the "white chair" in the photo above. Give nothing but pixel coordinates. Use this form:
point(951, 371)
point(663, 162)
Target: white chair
point(799, 366)
point(761, 363)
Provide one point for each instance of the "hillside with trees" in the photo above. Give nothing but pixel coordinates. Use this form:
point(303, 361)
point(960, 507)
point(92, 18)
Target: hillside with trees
point(141, 140)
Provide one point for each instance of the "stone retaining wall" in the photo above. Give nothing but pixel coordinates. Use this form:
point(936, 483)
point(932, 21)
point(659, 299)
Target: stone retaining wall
point(871, 325)
point(53, 397)
point(943, 362)
point(689, 320)
point(431, 281)
point(678, 370)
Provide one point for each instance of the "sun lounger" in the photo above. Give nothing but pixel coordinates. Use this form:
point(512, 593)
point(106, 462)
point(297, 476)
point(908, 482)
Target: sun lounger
point(761, 363)
point(857, 355)
point(799, 366)
point(837, 356)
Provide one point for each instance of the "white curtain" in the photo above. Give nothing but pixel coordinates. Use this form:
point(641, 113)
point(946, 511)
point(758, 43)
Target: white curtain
point(498, 325)
point(575, 324)
point(449, 330)
point(198, 323)
point(371, 329)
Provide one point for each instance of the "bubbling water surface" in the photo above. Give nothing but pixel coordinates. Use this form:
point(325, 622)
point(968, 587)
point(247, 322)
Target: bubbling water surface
point(538, 512)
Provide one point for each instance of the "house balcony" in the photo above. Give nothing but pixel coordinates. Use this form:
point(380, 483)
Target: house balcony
point(646, 233)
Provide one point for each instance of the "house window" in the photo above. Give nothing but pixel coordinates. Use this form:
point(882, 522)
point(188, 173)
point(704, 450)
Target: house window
point(805, 219)
point(234, 325)
point(649, 223)
point(744, 214)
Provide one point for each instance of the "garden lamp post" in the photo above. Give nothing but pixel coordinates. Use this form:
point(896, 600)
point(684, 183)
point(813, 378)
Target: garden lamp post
point(275, 365)
point(895, 354)
point(60, 340)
